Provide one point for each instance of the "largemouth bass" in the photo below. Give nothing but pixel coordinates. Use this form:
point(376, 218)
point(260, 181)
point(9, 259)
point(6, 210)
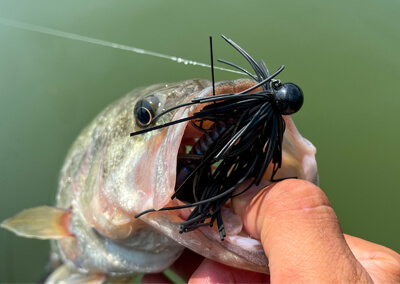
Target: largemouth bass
point(110, 177)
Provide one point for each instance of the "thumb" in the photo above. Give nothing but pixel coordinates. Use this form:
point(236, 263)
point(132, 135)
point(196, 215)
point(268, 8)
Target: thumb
point(300, 233)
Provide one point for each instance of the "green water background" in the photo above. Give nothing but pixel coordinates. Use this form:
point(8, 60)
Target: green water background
point(344, 55)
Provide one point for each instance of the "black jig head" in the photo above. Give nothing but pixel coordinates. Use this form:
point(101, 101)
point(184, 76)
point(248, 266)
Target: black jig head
point(246, 136)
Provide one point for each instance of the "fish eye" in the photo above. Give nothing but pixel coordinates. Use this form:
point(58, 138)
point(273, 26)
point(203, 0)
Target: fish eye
point(145, 110)
point(288, 97)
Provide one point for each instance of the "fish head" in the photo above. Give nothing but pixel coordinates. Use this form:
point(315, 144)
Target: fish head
point(109, 177)
point(238, 249)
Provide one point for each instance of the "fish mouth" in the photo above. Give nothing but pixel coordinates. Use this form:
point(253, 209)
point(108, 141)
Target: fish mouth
point(238, 249)
point(194, 138)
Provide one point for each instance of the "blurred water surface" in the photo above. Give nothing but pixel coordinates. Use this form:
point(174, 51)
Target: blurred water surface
point(344, 55)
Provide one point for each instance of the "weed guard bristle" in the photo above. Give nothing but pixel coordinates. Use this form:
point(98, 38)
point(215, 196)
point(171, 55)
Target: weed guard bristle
point(250, 137)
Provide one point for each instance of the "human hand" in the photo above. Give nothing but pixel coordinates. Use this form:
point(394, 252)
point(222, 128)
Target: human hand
point(302, 239)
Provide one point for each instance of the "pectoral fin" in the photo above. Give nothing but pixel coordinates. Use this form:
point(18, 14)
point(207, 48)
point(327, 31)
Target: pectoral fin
point(42, 222)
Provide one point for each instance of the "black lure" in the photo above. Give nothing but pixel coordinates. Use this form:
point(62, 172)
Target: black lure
point(248, 132)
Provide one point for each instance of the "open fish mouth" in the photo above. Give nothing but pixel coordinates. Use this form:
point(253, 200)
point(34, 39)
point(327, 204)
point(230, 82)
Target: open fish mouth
point(298, 161)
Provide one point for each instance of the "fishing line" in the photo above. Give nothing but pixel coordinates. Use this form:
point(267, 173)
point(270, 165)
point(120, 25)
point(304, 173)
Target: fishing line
point(48, 31)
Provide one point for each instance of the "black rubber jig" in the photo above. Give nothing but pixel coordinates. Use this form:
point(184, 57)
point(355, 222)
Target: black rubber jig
point(249, 138)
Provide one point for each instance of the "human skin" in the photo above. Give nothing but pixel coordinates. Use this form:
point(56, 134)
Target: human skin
point(302, 239)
